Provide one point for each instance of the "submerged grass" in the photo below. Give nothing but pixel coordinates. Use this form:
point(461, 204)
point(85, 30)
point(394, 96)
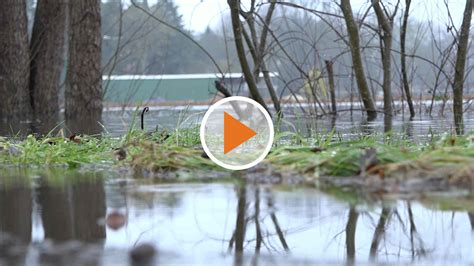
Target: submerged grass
point(328, 155)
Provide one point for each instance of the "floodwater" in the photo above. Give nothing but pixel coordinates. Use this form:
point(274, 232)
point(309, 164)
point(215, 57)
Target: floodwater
point(118, 122)
point(95, 217)
point(60, 216)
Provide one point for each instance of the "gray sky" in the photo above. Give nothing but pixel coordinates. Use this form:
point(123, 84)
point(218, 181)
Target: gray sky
point(198, 14)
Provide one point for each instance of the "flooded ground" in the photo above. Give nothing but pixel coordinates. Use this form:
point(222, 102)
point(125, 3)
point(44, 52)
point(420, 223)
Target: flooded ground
point(94, 218)
point(117, 122)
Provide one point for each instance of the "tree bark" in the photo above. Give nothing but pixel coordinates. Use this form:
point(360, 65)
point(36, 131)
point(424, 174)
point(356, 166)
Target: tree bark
point(47, 58)
point(460, 68)
point(83, 94)
point(257, 48)
point(385, 25)
point(332, 88)
point(14, 62)
point(260, 64)
point(353, 31)
point(403, 32)
point(248, 75)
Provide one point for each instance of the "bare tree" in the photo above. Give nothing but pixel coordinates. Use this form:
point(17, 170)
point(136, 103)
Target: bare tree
point(385, 21)
point(257, 47)
point(14, 61)
point(84, 81)
point(332, 86)
point(354, 41)
point(460, 68)
point(239, 44)
point(403, 32)
point(47, 58)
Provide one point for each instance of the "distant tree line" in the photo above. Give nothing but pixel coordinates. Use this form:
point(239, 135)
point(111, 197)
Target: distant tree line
point(135, 43)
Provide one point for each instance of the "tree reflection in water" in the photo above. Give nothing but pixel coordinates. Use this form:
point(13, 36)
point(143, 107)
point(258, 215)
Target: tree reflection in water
point(471, 219)
point(414, 236)
point(16, 208)
point(15, 217)
point(350, 234)
point(71, 209)
point(379, 231)
point(258, 217)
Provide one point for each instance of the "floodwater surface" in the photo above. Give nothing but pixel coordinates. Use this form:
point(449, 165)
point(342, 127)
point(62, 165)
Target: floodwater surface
point(62, 216)
point(118, 122)
point(94, 217)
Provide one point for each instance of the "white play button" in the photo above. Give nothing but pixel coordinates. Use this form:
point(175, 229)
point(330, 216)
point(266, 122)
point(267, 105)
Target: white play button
point(237, 133)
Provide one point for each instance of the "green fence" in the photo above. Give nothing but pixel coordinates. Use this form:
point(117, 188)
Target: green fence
point(170, 88)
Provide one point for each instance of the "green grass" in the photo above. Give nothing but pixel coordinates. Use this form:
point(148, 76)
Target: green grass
point(57, 151)
point(329, 155)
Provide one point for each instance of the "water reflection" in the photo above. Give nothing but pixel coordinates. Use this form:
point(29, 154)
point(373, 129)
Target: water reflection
point(471, 219)
point(350, 234)
point(72, 209)
point(379, 232)
point(84, 125)
point(15, 218)
point(117, 123)
point(102, 216)
point(16, 208)
point(415, 238)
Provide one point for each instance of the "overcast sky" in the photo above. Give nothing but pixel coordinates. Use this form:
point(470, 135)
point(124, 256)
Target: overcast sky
point(198, 14)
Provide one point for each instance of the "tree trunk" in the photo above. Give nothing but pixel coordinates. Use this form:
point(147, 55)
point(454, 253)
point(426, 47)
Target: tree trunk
point(47, 58)
point(332, 89)
point(14, 62)
point(83, 95)
point(385, 25)
point(460, 68)
point(272, 90)
point(260, 63)
point(248, 75)
point(403, 32)
point(353, 31)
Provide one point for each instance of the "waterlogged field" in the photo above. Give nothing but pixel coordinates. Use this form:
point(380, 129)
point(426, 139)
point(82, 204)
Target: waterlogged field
point(446, 158)
point(96, 217)
point(323, 195)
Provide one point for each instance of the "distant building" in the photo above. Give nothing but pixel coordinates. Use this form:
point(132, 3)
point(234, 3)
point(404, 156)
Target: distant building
point(135, 89)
